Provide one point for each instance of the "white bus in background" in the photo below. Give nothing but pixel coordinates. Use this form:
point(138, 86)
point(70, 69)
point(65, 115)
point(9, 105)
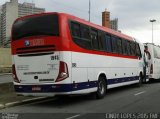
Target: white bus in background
point(153, 60)
point(146, 68)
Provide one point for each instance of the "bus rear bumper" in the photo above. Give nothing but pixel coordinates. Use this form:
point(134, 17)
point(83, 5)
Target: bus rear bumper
point(79, 92)
point(54, 89)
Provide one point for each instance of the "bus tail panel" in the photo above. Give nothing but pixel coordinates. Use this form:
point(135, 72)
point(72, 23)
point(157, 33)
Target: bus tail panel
point(38, 68)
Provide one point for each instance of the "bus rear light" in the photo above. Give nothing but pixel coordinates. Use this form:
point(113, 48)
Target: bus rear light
point(151, 69)
point(14, 75)
point(63, 72)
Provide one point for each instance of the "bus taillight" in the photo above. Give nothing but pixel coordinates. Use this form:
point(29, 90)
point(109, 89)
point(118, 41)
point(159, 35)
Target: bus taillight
point(151, 69)
point(14, 74)
point(63, 72)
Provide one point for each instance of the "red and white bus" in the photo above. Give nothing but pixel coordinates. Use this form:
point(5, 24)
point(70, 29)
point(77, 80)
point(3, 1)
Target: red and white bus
point(60, 54)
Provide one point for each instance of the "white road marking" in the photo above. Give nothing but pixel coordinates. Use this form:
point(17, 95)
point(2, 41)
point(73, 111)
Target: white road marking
point(139, 93)
point(72, 117)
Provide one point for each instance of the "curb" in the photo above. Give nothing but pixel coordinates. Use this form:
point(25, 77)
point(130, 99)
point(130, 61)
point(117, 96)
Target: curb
point(1, 106)
point(2, 74)
point(16, 103)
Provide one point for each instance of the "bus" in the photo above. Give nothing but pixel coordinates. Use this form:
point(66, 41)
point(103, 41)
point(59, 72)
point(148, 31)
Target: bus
point(60, 54)
point(153, 60)
point(145, 56)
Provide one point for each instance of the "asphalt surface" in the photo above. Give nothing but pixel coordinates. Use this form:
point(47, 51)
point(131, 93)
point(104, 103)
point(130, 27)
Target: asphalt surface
point(5, 78)
point(137, 101)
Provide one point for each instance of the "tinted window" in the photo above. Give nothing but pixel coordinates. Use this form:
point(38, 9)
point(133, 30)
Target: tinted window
point(75, 29)
point(85, 32)
point(108, 43)
point(80, 35)
point(119, 46)
point(156, 52)
point(124, 47)
point(101, 40)
point(128, 48)
point(138, 52)
point(114, 44)
point(82, 43)
point(36, 25)
point(133, 48)
point(94, 38)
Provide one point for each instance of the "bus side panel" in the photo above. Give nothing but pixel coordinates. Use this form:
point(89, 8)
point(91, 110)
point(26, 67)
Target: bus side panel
point(154, 61)
point(80, 66)
point(118, 71)
point(155, 74)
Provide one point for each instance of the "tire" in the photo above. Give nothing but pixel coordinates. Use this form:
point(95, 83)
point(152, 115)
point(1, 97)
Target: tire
point(144, 79)
point(140, 81)
point(101, 88)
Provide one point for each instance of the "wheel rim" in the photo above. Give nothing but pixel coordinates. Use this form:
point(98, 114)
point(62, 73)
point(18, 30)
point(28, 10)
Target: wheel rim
point(101, 88)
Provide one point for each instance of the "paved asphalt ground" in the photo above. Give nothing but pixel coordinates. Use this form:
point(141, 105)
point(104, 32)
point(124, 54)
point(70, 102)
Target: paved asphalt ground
point(131, 99)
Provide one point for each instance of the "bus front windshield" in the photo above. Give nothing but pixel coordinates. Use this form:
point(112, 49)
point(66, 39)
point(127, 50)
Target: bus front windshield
point(46, 24)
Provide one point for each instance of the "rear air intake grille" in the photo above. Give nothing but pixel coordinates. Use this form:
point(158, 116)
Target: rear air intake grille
point(35, 49)
point(35, 54)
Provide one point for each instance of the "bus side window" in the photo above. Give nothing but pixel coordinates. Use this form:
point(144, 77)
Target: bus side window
point(108, 43)
point(114, 44)
point(124, 47)
point(155, 52)
point(133, 48)
point(80, 35)
point(75, 29)
point(128, 48)
point(94, 38)
point(138, 51)
point(85, 32)
point(119, 45)
point(101, 37)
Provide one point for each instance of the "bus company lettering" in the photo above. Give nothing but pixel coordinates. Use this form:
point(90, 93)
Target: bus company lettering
point(33, 73)
point(37, 42)
point(23, 67)
point(56, 57)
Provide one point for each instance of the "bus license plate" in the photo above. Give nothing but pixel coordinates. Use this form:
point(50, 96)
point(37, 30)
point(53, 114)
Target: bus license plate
point(36, 88)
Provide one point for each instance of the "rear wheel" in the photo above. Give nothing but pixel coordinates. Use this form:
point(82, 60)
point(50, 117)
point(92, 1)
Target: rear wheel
point(144, 79)
point(102, 87)
point(140, 80)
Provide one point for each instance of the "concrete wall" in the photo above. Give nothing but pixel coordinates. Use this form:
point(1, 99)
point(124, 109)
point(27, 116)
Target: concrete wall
point(5, 60)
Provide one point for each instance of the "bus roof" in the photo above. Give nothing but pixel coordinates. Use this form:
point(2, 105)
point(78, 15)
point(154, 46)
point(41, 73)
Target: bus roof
point(108, 30)
point(71, 17)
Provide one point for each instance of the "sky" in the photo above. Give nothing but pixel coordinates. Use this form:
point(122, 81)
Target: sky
point(134, 15)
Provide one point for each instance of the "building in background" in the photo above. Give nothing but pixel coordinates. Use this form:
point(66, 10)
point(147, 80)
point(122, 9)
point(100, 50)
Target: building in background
point(106, 22)
point(114, 24)
point(106, 19)
point(11, 11)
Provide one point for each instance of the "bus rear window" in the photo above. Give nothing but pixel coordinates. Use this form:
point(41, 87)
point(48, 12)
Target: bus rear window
point(36, 25)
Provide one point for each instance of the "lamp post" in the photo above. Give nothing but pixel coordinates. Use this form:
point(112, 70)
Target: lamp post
point(89, 11)
point(152, 20)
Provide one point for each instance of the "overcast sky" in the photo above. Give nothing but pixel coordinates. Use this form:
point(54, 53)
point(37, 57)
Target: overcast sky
point(133, 15)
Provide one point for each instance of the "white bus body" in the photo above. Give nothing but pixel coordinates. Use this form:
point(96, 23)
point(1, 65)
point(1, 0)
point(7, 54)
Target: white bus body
point(153, 61)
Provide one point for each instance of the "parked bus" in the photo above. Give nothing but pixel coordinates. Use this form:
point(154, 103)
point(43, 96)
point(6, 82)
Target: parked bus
point(60, 54)
point(153, 60)
point(145, 56)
